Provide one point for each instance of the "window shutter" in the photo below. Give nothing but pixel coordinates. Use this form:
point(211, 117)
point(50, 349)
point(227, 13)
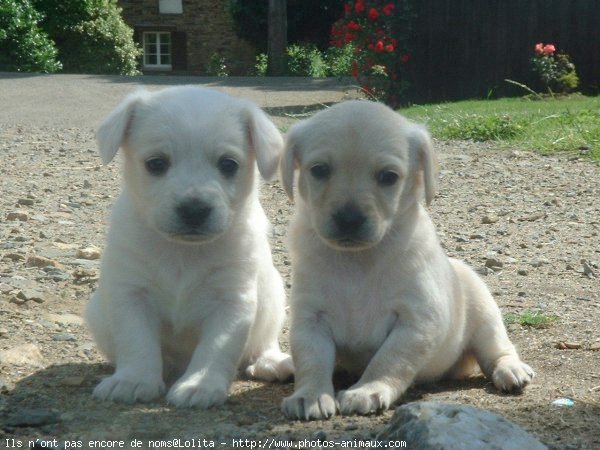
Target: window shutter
point(179, 50)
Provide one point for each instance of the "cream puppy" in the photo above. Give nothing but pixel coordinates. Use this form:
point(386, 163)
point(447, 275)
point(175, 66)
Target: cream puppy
point(188, 287)
point(373, 290)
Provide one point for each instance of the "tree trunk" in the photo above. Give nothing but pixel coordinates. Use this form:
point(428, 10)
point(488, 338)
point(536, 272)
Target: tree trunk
point(277, 37)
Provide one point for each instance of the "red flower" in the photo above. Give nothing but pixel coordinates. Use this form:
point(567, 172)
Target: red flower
point(359, 7)
point(405, 58)
point(348, 8)
point(379, 47)
point(353, 26)
point(373, 15)
point(388, 9)
point(389, 48)
point(349, 37)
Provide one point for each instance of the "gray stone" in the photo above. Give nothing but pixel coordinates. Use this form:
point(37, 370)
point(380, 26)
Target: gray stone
point(489, 219)
point(33, 418)
point(64, 337)
point(31, 295)
point(17, 215)
point(439, 426)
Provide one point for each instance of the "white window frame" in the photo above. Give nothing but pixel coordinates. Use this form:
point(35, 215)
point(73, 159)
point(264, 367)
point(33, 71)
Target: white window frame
point(159, 55)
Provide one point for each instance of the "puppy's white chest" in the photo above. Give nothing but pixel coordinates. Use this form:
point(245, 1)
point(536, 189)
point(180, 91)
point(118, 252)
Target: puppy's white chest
point(359, 316)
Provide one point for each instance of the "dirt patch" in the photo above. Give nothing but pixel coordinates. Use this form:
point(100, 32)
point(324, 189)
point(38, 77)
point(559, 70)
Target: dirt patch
point(536, 217)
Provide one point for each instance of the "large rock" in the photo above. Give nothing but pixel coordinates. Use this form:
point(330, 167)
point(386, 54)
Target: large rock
point(439, 426)
point(22, 355)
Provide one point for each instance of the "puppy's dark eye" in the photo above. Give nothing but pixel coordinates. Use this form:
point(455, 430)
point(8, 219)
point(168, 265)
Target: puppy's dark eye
point(320, 171)
point(387, 178)
point(228, 166)
point(157, 165)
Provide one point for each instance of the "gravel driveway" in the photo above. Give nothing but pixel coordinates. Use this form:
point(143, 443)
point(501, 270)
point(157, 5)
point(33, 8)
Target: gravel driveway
point(528, 223)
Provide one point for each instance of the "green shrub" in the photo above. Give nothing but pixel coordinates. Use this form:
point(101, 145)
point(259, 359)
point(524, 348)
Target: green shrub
point(90, 35)
point(24, 47)
point(339, 60)
point(305, 61)
point(262, 62)
point(217, 66)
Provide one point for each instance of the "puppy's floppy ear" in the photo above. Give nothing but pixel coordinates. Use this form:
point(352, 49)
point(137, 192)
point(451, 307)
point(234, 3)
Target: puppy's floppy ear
point(265, 140)
point(113, 131)
point(289, 161)
point(422, 149)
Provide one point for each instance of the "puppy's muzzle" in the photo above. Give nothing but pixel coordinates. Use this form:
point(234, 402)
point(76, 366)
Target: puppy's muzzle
point(193, 213)
point(349, 221)
point(350, 227)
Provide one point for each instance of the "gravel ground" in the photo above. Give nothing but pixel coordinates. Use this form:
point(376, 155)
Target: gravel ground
point(528, 223)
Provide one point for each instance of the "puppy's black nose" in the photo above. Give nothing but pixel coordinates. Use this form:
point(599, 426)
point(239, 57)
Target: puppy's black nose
point(193, 212)
point(349, 220)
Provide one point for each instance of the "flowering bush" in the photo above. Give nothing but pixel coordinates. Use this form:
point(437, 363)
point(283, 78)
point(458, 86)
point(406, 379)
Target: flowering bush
point(555, 70)
point(379, 31)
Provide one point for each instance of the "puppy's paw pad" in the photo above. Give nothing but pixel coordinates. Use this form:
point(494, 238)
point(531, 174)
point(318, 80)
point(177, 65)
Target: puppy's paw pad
point(271, 367)
point(122, 389)
point(363, 400)
point(189, 394)
point(309, 406)
point(512, 375)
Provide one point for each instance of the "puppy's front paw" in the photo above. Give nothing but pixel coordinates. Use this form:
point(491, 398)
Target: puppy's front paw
point(129, 389)
point(309, 405)
point(271, 366)
point(195, 391)
point(365, 399)
point(512, 375)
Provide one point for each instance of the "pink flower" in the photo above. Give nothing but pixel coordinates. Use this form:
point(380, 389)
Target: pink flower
point(373, 14)
point(548, 50)
point(389, 48)
point(539, 48)
point(379, 47)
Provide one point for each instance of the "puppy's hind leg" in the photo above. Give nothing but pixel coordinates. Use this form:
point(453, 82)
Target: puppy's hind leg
point(495, 353)
point(264, 358)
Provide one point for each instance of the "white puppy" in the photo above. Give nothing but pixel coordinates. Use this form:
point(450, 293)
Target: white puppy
point(372, 288)
point(188, 286)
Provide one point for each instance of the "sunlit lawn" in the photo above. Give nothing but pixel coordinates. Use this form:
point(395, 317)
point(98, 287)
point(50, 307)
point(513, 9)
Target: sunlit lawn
point(569, 124)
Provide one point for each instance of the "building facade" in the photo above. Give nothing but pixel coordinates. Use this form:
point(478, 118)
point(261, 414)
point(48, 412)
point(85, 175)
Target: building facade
point(182, 36)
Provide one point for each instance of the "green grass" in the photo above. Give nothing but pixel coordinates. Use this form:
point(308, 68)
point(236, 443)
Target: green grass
point(530, 318)
point(570, 124)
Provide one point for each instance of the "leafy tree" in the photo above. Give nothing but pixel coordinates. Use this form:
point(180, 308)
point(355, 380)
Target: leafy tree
point(90, 35)
point(24, 47)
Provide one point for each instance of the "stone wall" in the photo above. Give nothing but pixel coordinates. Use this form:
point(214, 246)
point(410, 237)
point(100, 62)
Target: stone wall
point(204, 28)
